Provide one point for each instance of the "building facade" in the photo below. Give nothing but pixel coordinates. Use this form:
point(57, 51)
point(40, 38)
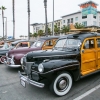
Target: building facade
point(88, 15)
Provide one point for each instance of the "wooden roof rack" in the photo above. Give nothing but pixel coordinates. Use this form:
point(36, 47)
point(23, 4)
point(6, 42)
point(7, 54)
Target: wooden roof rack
point(73, 29)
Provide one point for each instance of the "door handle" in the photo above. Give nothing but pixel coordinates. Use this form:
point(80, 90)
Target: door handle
point(82, 51)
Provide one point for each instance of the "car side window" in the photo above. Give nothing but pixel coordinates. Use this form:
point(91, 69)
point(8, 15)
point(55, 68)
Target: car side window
point(98, 42)
point(49, 43)
point(25, 44)
point(89, 44)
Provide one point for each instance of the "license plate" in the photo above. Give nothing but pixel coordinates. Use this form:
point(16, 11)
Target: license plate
point(23, 83)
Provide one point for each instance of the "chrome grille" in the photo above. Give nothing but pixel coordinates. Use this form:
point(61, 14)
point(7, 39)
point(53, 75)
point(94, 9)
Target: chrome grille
point(24, 61)
point(8, 60)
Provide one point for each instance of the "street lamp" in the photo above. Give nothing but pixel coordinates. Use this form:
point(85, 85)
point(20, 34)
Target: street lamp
point(46, 26)
point(28, 2)
point(53, 19)
point(6, 28)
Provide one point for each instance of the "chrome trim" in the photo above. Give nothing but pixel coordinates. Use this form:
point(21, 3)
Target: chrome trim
point(26, 79)
point(54, 55)
point(12, 66)
point(55, 69)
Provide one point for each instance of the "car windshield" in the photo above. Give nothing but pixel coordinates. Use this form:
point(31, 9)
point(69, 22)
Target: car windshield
point(6, 46)
point(12, 46)
point(37, 44)
point(72, 44)
point(68, 44)
point(60, 44)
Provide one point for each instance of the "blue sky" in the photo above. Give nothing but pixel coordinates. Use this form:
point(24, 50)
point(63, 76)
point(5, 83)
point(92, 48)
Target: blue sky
point(37, 15)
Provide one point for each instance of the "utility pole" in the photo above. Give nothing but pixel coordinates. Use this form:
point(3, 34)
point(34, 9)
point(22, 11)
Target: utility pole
point(28, 19)
point(46, 26)
point(6, 27)
point(53, 19)
point(3, 22)
point(13, 3)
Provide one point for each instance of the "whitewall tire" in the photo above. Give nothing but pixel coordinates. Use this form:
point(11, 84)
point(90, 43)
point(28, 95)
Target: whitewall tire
point(62, 84)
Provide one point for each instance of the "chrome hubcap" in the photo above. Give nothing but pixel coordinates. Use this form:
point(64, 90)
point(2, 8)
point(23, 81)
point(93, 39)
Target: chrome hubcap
point(62, 84)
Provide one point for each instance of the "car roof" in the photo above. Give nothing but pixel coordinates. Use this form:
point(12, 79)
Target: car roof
point(15, 42)
point(84, 35)
point(49, 37)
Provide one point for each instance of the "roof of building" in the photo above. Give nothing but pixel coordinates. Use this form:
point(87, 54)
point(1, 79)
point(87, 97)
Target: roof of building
point(75, 13)
point(49, 37)
point(90, 1)
point(35, 24)
point(72, 14)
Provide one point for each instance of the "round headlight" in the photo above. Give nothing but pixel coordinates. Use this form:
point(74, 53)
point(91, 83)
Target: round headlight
point(21, 61)
point(40, 68)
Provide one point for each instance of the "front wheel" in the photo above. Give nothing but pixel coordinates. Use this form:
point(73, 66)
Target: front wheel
point(2, 59)
point(62, 84)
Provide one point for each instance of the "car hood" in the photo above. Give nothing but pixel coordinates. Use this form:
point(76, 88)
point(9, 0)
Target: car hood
point(49, 54)
point(21, 51)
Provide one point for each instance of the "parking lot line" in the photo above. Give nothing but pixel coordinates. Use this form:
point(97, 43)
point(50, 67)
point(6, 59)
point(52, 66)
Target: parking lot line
point(87, 93)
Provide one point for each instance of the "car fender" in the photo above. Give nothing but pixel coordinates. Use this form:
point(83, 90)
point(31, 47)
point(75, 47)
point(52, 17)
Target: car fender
point(70, 65)
point(17, 58)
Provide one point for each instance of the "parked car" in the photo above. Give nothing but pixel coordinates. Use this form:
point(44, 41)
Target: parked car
point(14, 45)
point(73, 57)
point(14, 56)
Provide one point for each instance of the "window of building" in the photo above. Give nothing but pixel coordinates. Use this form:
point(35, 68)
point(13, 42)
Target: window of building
point(94, 22)
point(99, 23)
point(84, 23)
point(68, 20)
point(34, 28)
point(50, 25)
point(99, 18)
point(76, 18)
point(58, 23)
point(94, 17)
point(83, 17)
point(63, 21)
point(71, 20)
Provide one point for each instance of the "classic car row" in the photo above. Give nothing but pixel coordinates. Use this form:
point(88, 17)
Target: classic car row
point(14, 56)
point(69, 58)
point(13, 44)
point(73, 57)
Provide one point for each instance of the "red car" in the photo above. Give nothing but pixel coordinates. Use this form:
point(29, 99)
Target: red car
point(14, 56)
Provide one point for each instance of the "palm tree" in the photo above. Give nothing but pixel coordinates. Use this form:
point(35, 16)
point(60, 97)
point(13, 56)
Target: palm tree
point(25, 37)
point(28, 3)
point(21, 36)
point(56, 29)
point(46, 26)
point(40, 33)
point(65, 29)
point(35, 35)
point(30, 35)
point(3, 8)
point(49, 31)
point(79, 25)
point(13, 7)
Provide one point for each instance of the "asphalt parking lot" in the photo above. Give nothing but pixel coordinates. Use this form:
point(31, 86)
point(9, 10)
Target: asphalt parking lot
point(10, 88)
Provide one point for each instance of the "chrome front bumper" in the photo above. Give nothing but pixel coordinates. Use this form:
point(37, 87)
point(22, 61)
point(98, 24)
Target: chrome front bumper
point(12, 64)
point(27, 80)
